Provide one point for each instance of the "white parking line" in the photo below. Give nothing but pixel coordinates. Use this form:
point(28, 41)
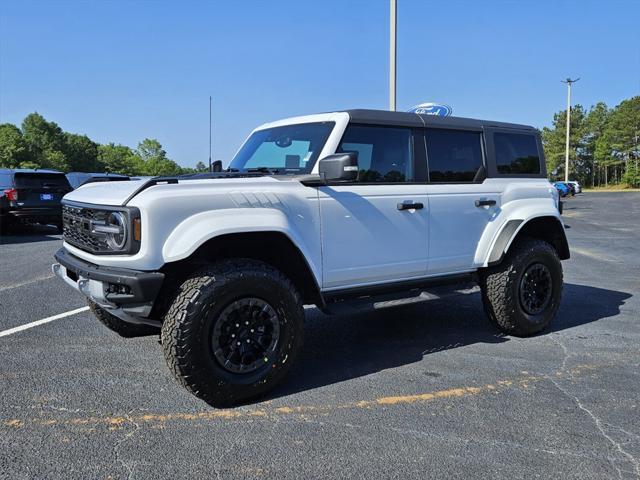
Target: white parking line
point(42, 322)
point(27, 282)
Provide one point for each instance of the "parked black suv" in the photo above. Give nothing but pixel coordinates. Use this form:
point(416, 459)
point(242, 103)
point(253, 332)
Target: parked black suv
point(32, 195)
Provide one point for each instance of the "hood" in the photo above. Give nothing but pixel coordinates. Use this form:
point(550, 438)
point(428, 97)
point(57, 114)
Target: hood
point(105, 193)
point(118, 193)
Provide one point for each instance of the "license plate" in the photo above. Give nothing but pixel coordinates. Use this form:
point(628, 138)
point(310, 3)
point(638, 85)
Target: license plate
point(46, 196)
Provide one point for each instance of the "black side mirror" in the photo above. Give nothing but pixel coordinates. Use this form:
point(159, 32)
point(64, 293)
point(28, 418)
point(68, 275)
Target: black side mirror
point(216, 166)
point(339, 167)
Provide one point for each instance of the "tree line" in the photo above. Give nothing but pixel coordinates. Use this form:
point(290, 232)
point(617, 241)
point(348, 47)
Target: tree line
point(604, 148)
point(39, 143)
point(604, 144)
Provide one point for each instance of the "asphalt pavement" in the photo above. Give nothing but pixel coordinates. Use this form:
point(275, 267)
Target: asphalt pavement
point(424, 391)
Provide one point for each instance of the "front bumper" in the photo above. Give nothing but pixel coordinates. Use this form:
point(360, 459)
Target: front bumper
point(127, 294)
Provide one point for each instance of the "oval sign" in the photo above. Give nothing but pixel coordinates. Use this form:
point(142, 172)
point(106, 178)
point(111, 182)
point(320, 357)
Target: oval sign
point(430, 108)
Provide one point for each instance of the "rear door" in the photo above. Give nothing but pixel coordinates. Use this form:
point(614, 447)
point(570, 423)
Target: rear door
point(461, 201)
point(374, 230)
point(40, 190)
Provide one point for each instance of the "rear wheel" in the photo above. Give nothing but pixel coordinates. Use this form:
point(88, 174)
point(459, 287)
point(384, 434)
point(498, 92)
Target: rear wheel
point(122, 328)
point(233, 331)
point(522, 294)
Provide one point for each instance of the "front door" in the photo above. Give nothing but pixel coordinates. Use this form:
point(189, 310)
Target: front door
point(375, 230)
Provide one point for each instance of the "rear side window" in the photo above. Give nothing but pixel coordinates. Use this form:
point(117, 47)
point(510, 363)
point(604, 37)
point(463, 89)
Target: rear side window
point(453, 155)
point(5, 180)
point(384, 154)
point(42, 180)
point(516, 153)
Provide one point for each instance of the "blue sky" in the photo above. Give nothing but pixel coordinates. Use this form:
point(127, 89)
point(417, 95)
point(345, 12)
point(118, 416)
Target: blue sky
point(124, 70)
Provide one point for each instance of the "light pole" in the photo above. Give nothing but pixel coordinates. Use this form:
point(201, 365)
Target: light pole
point(393, 10)
point(568, 81)
point(209, 133)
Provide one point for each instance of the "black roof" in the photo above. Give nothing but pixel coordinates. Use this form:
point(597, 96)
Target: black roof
point(408, 119)
point(28, 170)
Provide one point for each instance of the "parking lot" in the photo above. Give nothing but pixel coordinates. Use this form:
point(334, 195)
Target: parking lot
point(427, 391)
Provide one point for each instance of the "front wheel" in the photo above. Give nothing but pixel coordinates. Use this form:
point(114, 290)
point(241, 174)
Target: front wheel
point(233, 331)
point(522, 294)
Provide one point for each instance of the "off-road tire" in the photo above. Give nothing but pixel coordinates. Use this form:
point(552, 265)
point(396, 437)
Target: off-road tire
point(189, 324)
point(501, 285)
point(122, 328)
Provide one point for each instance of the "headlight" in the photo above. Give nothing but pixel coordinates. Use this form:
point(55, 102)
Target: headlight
point(114, 230)
point(117, 237)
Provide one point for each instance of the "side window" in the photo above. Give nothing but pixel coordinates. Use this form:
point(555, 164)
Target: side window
point(453, 155)
point(516, 153)
point(5, 180)
point(384, 154)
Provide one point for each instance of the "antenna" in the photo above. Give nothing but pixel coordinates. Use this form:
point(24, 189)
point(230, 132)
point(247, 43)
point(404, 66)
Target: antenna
point(209, 132)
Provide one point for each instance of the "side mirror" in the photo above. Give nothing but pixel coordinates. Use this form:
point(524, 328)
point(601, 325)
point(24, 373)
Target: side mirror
point(339, 167)
point(216, 166)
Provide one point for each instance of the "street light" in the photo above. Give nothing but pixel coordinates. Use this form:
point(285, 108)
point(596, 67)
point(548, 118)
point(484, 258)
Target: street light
point(393, 10)
point(568, 81)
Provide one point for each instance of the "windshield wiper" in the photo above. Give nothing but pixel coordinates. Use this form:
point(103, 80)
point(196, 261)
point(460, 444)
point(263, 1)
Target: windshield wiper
point(264, 170)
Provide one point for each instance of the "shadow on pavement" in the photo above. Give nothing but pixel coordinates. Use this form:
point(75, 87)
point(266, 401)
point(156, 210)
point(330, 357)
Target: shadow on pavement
point(28, 233)
point(346, 347)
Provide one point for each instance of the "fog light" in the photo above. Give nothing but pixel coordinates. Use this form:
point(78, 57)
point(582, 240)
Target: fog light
point(119, 289)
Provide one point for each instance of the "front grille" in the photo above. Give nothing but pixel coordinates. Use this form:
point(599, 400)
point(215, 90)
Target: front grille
point(76, 223)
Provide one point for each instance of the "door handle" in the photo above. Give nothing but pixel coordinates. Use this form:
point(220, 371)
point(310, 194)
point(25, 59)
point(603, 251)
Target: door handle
point(410, 206)
point(485, 203)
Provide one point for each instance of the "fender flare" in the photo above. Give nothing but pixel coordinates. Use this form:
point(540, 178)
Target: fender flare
point(197, 229)
point(512, 228)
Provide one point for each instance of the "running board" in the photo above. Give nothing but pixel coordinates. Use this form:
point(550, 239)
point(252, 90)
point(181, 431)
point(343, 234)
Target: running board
point(388, 300)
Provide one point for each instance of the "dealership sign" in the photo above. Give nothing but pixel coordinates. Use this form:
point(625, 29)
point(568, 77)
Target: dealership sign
point(430, 108)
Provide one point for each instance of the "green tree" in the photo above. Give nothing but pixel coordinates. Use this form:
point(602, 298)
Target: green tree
point(554, 138)
point(154, 159)
point(43, 138)
point(13, 148)
point(594, 126)
point(119, 159)
point(55, 160)
point(201, 167)
point(81, 153)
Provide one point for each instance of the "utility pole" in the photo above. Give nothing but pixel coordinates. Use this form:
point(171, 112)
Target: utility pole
point(209, 133)
point(568, 81)
point(393, 23)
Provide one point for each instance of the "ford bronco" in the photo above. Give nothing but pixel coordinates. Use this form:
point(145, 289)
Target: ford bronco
point(352, 209)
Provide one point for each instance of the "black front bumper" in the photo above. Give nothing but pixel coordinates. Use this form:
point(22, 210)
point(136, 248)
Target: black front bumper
point(143, 286)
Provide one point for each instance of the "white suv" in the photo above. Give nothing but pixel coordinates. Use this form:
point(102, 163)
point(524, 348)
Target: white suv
point(360, 208)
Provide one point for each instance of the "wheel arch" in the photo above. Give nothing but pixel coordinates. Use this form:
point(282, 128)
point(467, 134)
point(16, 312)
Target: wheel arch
point(273, 247)
point(548, 228)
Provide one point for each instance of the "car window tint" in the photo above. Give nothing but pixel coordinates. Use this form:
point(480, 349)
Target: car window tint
point(41, 180)
point(516, 153)
point(384, 154)
point(453, 155)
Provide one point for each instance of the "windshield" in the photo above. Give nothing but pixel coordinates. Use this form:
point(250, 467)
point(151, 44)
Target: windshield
point(290, 149)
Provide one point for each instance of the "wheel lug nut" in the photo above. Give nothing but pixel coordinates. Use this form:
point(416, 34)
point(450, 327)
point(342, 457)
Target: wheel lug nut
point(233, 335)
point(237, 325)
point(248, 341)
point(252, 330)
point(238, 343)
point(246, 323)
